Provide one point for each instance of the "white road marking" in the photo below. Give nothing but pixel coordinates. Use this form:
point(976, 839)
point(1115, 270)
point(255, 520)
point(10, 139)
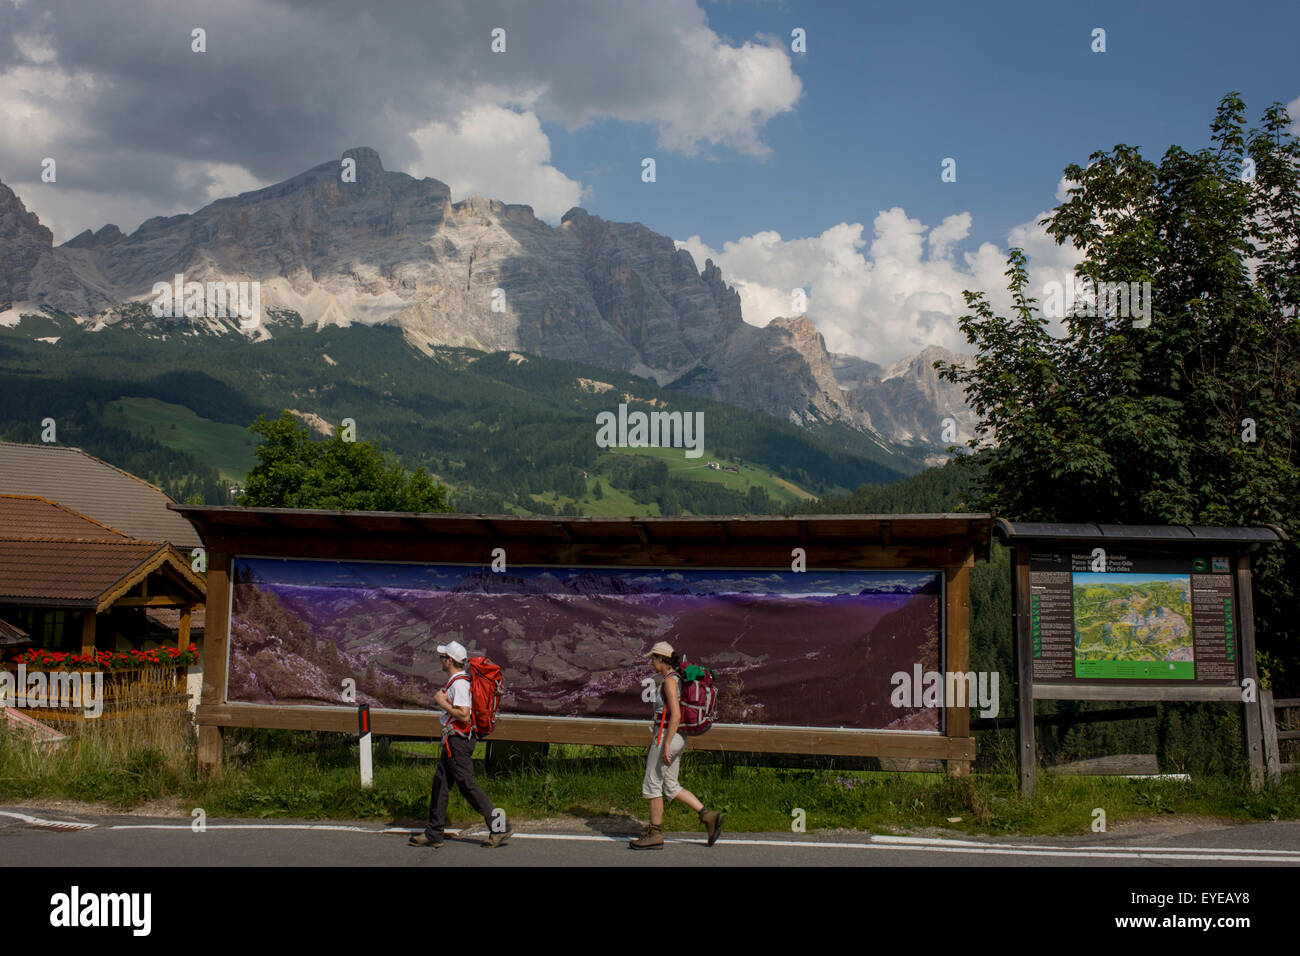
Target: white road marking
point(243, 826)
point(47, 824)
point(914, 844)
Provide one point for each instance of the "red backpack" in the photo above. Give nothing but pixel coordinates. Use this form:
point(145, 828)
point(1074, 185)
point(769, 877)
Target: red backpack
point(697, 697)
point(485, 688)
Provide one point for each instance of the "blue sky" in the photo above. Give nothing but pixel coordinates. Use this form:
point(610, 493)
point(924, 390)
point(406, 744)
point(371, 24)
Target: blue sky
point(818, 171)
point(1013, 97)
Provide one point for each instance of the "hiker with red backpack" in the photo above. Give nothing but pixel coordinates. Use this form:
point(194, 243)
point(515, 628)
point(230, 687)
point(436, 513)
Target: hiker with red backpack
point(460, 721)
point(663, 759)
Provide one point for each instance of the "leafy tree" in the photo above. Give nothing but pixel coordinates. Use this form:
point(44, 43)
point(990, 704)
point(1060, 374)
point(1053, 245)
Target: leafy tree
point(294, 470)
point(1192, 419)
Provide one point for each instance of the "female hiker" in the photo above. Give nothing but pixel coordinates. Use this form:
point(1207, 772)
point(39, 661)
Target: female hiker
point(664, 757)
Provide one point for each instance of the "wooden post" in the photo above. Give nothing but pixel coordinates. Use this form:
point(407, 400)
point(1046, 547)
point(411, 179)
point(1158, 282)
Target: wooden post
point(211, 740)
point(216, 640)
point(1268, 721)
point(88, 632)
point(1250, 723)
point(956, 590)
point(1026, 751)
point(183, 628)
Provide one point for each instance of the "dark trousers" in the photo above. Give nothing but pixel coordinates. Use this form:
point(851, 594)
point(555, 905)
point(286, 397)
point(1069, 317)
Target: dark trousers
point(456, 765)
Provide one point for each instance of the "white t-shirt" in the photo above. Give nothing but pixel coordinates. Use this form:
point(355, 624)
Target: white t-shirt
point(458, 694)
point(660, 703)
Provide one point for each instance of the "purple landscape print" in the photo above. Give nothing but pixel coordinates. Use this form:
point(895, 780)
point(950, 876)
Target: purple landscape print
point(812, 649)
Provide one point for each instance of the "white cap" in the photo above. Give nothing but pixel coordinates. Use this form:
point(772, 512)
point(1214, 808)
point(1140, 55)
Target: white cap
point(455, 651)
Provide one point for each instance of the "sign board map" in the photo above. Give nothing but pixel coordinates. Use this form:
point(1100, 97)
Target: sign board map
point(1139, 617)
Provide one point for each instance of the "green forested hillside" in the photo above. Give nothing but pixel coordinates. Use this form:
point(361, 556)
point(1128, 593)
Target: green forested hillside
point(505, 434)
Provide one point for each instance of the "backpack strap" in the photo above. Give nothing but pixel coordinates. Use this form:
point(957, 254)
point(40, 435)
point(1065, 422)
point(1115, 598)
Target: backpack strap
point(469, 724)
point(663, 714)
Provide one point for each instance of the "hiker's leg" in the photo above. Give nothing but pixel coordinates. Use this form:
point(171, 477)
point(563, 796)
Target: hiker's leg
point(688, 798)
point(438, 797)
point(652, 785)
point(462, 760)
point(672, 789)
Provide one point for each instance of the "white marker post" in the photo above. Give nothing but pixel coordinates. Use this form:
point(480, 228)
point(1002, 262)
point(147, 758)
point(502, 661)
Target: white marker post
point(363, 729)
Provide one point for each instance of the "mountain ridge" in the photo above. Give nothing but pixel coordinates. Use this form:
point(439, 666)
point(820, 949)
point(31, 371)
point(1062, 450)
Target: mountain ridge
point(478, 273)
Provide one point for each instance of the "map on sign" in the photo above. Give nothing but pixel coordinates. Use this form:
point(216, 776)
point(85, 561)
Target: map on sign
point(1122, 620)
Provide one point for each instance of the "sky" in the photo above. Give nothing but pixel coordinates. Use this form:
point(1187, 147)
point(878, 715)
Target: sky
point(440, 577)
point(816, 168)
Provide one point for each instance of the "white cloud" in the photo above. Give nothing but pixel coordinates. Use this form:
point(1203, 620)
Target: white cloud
point(144, 122)
point(496, 152)
point(1293, 110)
point(952, 230)
point(883, 299)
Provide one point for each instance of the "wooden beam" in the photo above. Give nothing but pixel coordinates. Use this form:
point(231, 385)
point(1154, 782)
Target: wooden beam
point(210, 747)
point(956, 590)
point(183, 628)
point(216, 635)
point(1268, 723)
point(161, 600)
point(1026, 747)
point(1229, 694)
point(88, 632)
point(610, 733)
point(1250, 724)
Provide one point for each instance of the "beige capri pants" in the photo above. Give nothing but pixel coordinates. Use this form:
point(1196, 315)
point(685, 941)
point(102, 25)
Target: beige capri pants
point(660, 780)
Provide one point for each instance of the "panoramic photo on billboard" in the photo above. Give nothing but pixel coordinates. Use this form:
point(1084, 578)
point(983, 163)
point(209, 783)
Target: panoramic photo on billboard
point(571, 641)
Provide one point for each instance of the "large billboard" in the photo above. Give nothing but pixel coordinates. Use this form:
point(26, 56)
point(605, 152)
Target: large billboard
point(810, 649)
point(1132, 617)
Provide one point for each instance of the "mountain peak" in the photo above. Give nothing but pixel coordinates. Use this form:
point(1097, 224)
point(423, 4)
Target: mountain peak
point(367, 159)
point(799, 325)
point(106, 236)
point(23, 240)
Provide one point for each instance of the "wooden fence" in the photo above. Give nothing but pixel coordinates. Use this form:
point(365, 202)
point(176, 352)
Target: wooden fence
point(1281, 725)
point(124, 690)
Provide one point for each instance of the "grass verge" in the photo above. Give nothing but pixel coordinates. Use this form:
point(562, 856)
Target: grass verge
point(143, 758)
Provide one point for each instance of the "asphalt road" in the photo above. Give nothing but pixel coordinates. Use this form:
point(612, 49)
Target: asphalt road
point(42, 837)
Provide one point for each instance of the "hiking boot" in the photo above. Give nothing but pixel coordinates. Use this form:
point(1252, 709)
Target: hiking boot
point(652, 838)
point(496, 839)
point(712, 821)
point(423, 839)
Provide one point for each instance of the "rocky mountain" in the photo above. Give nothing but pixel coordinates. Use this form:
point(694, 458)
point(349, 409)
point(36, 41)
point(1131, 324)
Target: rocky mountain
point(909, 402)
point(23, 241)
point(389, 248)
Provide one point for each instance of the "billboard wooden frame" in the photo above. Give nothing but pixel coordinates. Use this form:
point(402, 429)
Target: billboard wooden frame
point(1238, 543)
point(948, 543)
